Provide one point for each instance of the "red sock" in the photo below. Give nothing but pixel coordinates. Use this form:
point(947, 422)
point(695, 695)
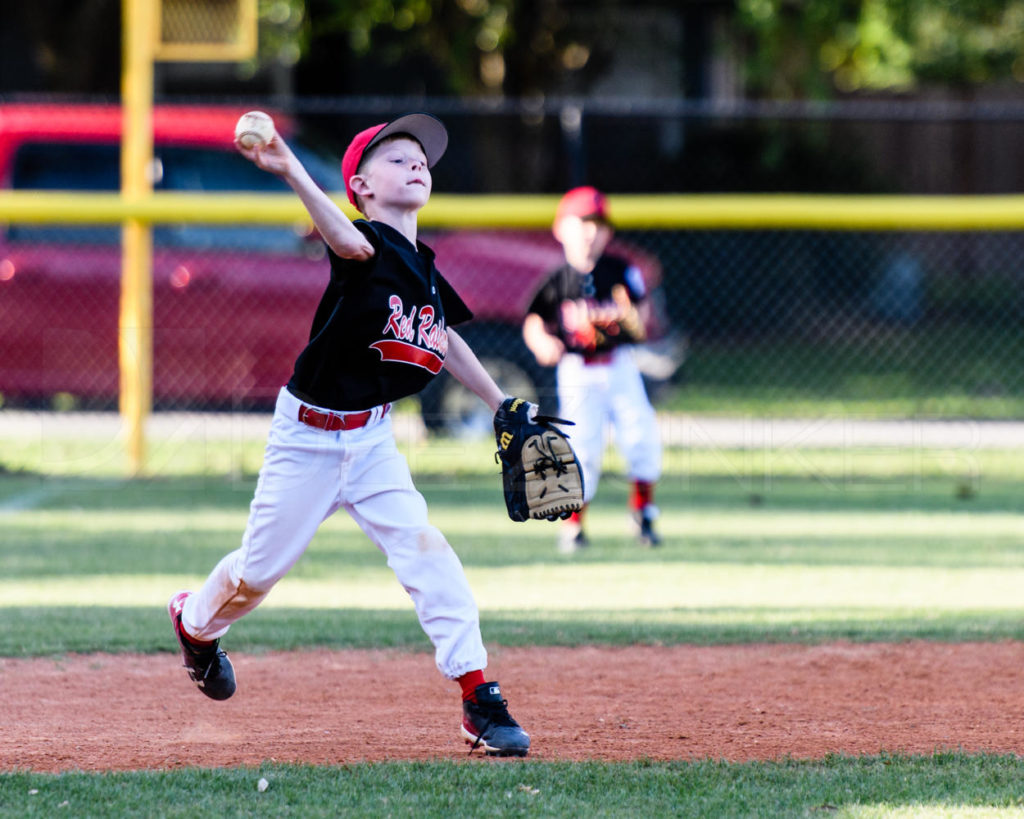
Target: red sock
point(195, 641)
point(577, 517)
point(469, 681)
point(643, 494)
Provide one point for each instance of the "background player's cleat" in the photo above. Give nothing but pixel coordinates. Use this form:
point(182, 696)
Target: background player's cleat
point(487, 724)
point(571, 538)
point(644, 519)
point(208, 667)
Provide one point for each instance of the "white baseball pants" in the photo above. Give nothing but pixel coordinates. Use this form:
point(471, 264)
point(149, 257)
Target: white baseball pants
point(308, 474)
point(594, 395)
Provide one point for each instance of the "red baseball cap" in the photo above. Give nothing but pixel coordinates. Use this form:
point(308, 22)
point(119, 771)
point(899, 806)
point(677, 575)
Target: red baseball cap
point(424, 128)
point(585, 202)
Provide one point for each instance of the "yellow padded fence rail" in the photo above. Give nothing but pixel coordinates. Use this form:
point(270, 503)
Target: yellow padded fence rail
point(643, 212)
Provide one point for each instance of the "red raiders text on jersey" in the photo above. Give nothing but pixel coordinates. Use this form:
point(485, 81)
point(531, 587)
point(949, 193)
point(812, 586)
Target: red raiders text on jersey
point(423, 344)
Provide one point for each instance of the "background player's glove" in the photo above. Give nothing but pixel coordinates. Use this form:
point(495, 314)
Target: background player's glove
point(540, 472)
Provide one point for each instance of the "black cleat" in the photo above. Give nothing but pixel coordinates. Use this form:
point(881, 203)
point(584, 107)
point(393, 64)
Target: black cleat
point(644, 519)
point(208, 666)
point(571, 538)
point(487, 724)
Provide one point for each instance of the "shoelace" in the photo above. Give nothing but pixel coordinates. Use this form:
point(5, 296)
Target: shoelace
point(479, 736)
point(215, 658)
point(497, 714)
point(547, 460)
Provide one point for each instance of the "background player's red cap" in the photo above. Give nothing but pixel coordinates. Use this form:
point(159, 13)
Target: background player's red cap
point(424, 128)
point(586, 203)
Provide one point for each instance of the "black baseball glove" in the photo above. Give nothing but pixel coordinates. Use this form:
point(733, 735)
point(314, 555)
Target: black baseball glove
point(540, 472)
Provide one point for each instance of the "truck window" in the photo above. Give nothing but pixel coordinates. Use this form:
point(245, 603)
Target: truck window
point(220, 171)
point(67, 167)
point(96, 167)
point(62, 166)
point(200, 169)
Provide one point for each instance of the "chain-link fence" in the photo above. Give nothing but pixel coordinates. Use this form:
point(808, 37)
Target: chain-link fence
point(892, 324)
point(875, 323)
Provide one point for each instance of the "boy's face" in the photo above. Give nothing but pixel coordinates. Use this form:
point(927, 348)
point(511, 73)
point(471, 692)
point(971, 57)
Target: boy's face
point(395, 175)
point(583, 240)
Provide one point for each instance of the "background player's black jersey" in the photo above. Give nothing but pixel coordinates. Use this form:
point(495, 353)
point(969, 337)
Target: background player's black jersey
point(568, 284)
point(380, 331)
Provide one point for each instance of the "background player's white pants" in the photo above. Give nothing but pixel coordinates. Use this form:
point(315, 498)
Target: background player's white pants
point(307, 475)
point(593, 395)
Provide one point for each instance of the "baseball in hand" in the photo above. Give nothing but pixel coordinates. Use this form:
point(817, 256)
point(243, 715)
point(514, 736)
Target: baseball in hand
point(254, 128)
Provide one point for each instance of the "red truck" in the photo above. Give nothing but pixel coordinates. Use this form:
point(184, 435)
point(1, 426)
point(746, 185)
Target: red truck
point(231, 303)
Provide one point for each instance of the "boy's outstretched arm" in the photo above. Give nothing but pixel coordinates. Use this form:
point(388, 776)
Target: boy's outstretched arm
point(466, 368)
point(336, 228)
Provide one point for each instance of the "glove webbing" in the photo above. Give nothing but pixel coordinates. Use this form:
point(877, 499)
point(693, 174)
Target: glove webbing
point(548, 460)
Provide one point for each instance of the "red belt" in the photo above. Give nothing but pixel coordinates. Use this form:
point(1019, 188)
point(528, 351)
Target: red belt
point(597, 358)
point(333, 421)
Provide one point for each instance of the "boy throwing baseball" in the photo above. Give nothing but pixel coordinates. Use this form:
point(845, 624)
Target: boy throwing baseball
point(382, 330)
point(583, 321)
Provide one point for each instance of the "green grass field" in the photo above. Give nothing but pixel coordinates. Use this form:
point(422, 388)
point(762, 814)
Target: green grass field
point(960, 371)
point(779, 546)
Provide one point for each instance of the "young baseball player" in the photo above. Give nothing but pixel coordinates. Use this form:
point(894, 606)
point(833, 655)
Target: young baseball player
point(382, 330)
point(583, 321)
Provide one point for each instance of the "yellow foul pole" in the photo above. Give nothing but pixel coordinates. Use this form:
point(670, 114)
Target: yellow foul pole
point(136, 316)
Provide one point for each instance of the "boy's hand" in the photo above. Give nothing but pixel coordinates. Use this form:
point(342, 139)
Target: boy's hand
point(577, 325)
point(275, 157)
point(548, 350)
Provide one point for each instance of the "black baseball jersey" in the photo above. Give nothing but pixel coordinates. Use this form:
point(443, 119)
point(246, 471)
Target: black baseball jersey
point(568, 284)
point(380, 331)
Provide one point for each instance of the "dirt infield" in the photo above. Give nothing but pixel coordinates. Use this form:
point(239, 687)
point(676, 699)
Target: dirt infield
point(106, 712)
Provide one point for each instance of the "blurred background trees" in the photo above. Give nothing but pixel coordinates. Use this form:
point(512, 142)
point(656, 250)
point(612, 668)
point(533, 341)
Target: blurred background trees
point(823, 47)
point(659, 95)
point(779, 49)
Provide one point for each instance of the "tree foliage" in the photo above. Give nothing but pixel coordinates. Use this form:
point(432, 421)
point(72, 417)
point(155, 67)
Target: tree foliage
point(789, 48)
point(811, 47)
point(514, 47)
point(793, 48)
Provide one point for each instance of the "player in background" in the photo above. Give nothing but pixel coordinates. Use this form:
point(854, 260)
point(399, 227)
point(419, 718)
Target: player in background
point(381, 332)
point(583, 321)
